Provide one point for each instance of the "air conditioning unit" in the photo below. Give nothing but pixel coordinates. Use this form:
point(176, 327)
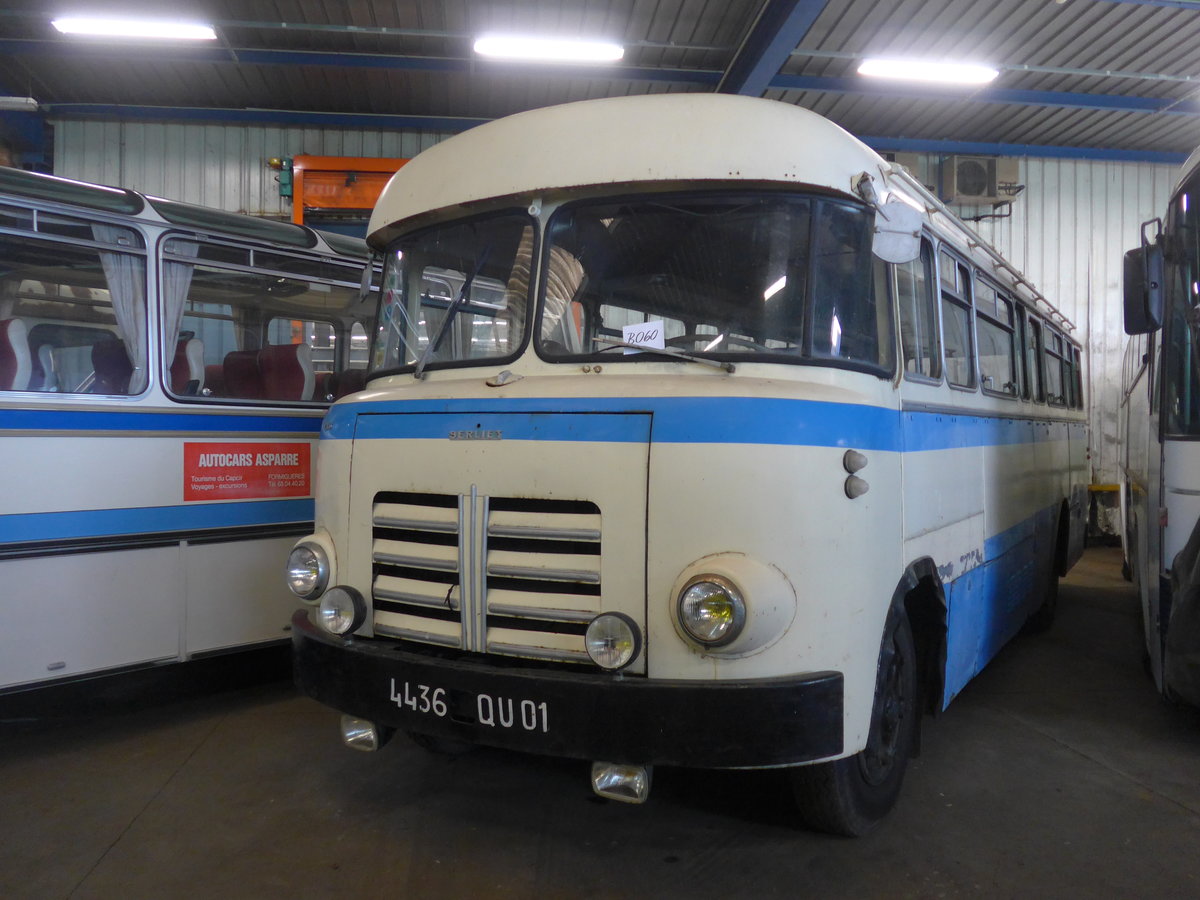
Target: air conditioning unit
point(979, 179)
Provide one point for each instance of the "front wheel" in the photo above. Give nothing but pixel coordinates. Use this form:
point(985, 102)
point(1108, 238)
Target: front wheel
point(851, 796)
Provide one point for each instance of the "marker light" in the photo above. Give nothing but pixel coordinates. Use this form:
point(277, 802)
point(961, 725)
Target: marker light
point(926, 70)
point(135, 28)
point(512, 46)
point(612, 641)
point(341, 611)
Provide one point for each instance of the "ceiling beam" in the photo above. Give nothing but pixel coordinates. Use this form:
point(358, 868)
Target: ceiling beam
point(778, 30)
point(698, 77)
point(1059, 99)
point(453, 125)
point(1044, 151)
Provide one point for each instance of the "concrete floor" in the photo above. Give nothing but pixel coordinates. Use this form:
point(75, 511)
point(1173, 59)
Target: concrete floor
point(1057, 773)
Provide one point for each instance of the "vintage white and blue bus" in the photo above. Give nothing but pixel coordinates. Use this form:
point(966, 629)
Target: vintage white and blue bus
point(695, 434)
point(1160, 438)
point(163, 373)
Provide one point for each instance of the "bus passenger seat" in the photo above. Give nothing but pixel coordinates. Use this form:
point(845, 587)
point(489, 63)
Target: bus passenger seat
point(112, 367)
point(241, 375)
point(187, 369)
point(214, 380)
point(15, 365)
point(45, 376)
point(349, 381)
point(287, 371)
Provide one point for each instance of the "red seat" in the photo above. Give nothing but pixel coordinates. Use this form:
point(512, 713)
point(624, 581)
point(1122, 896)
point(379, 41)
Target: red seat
point(112, 368)
point(349, 381)
point(15, 365)
point(241, 375)
point(287, 372)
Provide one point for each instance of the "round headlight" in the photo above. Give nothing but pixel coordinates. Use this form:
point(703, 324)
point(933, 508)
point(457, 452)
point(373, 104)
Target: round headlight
point(307, 571)
point(612, 640)
point(341, 610)
point(711, 610)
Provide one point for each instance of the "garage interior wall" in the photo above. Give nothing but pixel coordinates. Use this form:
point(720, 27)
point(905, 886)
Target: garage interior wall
point(1067, 232)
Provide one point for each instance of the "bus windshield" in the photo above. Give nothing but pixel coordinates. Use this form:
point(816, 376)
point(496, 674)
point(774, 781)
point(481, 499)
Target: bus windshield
point(455, 293)
point(783, 278)
point(1181, 357)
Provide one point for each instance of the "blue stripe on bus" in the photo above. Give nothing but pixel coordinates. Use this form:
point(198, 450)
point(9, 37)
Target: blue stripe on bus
point(987, 605)
point(606, 428)
point(91, 523)
point(145, 420)
point(716, 420)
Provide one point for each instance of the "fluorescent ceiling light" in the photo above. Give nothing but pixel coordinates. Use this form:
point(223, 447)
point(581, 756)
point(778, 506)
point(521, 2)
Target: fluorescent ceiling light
point(511, 46)
point(926, 70)
point(18, 104)
point(135, 28)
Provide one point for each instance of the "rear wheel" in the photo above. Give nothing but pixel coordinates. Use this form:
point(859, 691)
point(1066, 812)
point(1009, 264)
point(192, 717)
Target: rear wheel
point(851, 796)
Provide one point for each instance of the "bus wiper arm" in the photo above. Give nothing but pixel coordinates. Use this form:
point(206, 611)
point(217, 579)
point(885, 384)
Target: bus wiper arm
point(451, 312)
point(669, 351)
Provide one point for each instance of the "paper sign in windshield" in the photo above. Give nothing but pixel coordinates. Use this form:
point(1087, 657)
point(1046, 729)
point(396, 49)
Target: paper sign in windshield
point(246, 471)
point(644, 334)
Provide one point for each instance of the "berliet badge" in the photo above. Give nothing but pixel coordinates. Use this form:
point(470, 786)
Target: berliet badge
point(478, 434)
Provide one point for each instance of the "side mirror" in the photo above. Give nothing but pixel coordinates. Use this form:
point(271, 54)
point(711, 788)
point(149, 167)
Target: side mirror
point(1144, 284)
point(897, 232)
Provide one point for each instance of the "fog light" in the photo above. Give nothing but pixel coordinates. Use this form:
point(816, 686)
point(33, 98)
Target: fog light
point(307, 571)
point(612, 641)
point(341, 610)
point(711, 610)
point(628, 784)
point(360, 734)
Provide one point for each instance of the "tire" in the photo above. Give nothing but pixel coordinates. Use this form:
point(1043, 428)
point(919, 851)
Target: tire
point(851, 796)
point(1042, 618)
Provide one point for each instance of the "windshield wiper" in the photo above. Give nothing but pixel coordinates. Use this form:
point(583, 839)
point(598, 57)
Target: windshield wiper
point(669, 351)
point(451, 312)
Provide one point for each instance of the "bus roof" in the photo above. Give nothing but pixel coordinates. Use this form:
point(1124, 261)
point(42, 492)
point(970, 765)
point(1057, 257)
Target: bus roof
point(39, 186)
point(626, 140)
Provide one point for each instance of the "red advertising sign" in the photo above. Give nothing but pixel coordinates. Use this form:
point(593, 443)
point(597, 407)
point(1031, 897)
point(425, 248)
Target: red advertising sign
point(246, 471)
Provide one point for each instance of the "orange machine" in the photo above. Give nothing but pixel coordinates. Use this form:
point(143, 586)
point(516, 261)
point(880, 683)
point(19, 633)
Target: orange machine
point(338, 186)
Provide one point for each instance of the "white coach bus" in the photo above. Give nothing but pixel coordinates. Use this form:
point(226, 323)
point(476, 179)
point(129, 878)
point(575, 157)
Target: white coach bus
point(1160, 431)
point(163, 373)
point(659, 463)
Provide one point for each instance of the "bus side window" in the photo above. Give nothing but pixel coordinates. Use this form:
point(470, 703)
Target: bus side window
point(1033, 356)
point(259, 326)
point(918, 317)
point(956, 321)
point(77, 314)
point(997, 353)
point(1056, 389)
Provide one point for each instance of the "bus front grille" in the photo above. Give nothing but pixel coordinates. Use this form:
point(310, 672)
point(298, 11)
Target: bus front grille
point(510, 576)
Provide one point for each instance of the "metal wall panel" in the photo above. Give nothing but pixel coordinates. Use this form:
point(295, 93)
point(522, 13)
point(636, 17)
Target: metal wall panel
point(222, 166)
point(1067, 232)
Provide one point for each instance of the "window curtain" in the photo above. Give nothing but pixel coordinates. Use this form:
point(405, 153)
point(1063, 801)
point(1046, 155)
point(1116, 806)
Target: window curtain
point(177, 280)
point(126, 275)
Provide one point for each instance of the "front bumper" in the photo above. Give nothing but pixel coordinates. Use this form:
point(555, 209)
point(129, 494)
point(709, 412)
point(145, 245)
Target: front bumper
point(596, 716)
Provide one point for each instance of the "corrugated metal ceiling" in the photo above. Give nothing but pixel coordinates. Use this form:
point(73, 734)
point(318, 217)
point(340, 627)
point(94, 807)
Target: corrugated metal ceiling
point(1078, 77)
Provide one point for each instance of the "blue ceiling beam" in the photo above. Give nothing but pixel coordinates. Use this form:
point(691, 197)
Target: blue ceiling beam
point(1174, 4)
point(697, 77)
point(284, 117)
point(453, 125)
point(780, 27)
point(1060, 99)
point(1045, 151)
